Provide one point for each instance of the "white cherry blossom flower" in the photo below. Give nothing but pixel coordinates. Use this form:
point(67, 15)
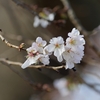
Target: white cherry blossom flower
point(50, 16)
point(32, 57)
point(35, 53)
point(74, 49)
point(44, 20)
point(68, 56)
point(57, 46)
point(40, 42)
point(37, 21)
point(74, 33)
point(75, 39)
point(72, 57)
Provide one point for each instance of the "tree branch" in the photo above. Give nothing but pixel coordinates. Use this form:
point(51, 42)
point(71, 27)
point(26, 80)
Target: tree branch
point(25, 6)
point(8, 62)
point(20, 47)
point(35, 85)
point(73, 17)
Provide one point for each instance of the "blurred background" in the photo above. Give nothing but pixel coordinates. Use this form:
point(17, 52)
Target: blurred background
point(17, 26)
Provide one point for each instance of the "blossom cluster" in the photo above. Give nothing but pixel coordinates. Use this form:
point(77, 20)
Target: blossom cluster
point(36, 53)
point(43, 19)
point(71, 51)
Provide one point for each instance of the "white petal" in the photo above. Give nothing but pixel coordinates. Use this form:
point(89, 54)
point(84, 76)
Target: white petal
point(46, 52)
point(40, 49)
point(38, 39)
point(35, 47)
point(29, 49)
point(36, 21)
point(33, 60)
point(44, 43)
point(60, 59)
point(45, 60)
point(50, 48)
point(44, 23)
point(62, 48)
point(74, 33)
point(60, 40)
point(26, 64)
point(58, 51)
point(69, 65)
point(51, 17)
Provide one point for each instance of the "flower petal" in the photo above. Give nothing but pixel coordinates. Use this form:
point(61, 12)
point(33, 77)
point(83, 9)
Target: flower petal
point(58, 53)
point(36, 21)
point(38, 39)
point(45, 60)
point(60, 59)
point(69, 65)
point(44, 23)
point(50, 48)
point(26, 64)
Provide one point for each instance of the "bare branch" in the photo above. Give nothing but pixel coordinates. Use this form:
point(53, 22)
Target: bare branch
point(25, 6)
point(8, 62)
point(20, 47)
point(35, 85)
point(73, 17)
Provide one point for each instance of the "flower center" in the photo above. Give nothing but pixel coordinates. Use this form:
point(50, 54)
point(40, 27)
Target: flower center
point(72, 42)
point(57, 45)
point(31, 54)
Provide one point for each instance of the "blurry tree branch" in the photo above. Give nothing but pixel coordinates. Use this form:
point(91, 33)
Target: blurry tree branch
point(73, 18)
point(92, 86)
point(25, 6)
point(35, 85)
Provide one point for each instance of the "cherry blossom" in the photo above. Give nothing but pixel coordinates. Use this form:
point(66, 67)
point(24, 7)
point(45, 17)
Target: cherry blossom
point(35, 54)
point(40, 42)
point(57, 46)
point(74, 48)
point(44, 22)
point(71, 51)
point(37, 21)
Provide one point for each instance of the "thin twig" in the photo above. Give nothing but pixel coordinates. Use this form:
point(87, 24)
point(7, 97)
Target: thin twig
point(2, 60)
point(20, 47)
point(25, 6)
point(73, 17)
